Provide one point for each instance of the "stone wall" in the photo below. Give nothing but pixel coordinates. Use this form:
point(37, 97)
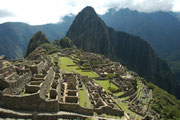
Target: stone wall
point(115, 83)
point(3, 84)
point(128, 93)
point(45, 87)
point(109, 111)
point(76, 108)
point(71, 99)
point(38, 68)
point(72, 93)
point(22, 71)
point(31, 88)
point(10, 69)
point(28, 103)
point(17, 86)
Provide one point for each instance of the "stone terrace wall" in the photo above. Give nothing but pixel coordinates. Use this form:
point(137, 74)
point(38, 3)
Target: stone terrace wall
point(28, 103)
point(45, 87)
point(19, 83)
point(3, 84)
point(9, 68)
point(36, 68)
point(76, 108)
point(108, 110)
point(128, 93)
point(40, 67)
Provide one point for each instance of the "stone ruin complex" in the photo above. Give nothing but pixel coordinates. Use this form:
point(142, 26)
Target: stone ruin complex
point(37, 85)
point(38, 89)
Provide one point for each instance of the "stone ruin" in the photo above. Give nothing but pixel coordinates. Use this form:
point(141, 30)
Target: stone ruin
point(101, 100)
point(2, 57)
point(70, 88)
point(39, 86)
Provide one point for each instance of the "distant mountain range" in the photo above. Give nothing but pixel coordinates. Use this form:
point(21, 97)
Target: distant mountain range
point(15, 36)
point(159, 29)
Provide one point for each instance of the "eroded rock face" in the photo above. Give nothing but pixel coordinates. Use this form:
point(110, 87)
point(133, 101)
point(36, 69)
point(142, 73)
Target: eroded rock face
point(90, 33)
point(38, 39)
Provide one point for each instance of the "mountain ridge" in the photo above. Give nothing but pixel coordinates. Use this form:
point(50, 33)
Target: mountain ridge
point(92, 35)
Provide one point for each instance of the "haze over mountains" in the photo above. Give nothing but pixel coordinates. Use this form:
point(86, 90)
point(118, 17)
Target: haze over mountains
point(160, 29)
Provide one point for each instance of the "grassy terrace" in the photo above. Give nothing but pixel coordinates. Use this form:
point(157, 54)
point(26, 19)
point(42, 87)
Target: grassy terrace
point(68, 65)
point(84, 99)
point(109, 87)
point(124, 106)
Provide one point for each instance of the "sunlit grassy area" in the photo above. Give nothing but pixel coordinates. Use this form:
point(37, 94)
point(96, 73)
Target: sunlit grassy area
point(109, 87)
point(68, 65)
point(124, 98)
point(110, 116)
point(124, 106)
point(84, 99)
point(118, 94)
point(5, 64)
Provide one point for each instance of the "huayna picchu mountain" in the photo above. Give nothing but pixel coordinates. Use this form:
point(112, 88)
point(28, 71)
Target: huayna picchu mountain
point(38, 39)
point(90, 33)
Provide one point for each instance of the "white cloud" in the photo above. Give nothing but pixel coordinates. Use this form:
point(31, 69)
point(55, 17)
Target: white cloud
point(36, 12)
point(5, 13)
point(176, 5)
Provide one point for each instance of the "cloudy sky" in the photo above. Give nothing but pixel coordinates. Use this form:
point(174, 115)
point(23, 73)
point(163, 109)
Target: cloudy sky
point(37, 12)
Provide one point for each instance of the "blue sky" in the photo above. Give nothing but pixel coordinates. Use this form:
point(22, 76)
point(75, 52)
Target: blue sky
point(37, 12)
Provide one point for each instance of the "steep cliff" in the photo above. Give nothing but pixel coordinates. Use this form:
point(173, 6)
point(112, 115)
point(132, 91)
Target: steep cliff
point(90, 33)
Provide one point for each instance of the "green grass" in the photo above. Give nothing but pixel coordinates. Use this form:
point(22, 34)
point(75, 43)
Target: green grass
point(124, 107)
point(124, 98)
point(106, 85)
point(68, 65)
point(84, 99)
point(165, 104)
point(110, 116)
point(23, 92)
point(5, 64)
point(89, 118)
point(75, 57)
point(118, 94)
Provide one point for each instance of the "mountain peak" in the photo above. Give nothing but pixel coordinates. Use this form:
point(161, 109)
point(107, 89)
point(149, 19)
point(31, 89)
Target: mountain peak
point(88, 11)
point(38, 39)
point(91, 34)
